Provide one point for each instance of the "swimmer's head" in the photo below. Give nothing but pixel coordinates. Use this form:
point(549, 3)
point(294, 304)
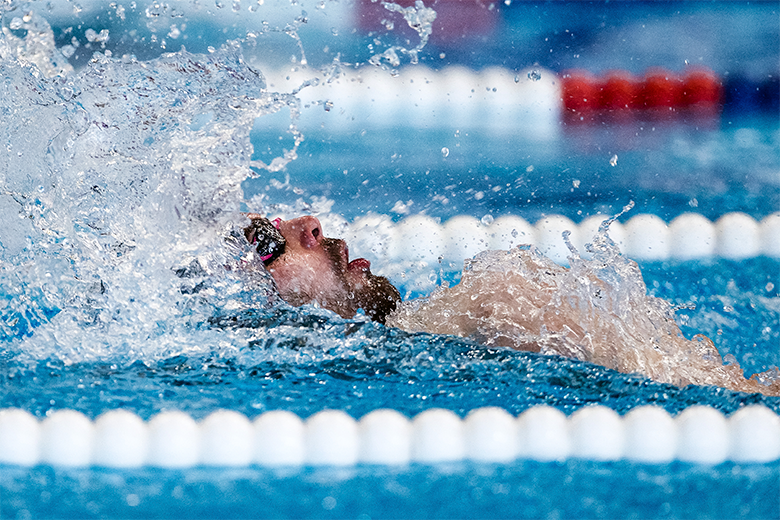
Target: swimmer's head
point(312, 268)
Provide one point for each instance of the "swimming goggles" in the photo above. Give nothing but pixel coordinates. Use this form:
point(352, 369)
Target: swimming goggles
point(266, 239)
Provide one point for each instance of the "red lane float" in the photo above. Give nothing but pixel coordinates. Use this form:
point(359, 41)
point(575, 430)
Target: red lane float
point(658, 89)
point(618, 91)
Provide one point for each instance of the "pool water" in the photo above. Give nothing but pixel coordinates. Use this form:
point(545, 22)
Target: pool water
point(577, 488)
point(318, 365)
point(669, 168)
point(129, 170)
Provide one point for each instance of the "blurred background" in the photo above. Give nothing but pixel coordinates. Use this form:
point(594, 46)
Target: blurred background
point(465, 138)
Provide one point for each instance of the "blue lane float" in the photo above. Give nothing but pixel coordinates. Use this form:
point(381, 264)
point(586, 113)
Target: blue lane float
point(172, 439)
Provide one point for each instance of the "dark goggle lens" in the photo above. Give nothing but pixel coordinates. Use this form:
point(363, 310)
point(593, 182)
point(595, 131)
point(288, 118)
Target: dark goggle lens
point(267, 239)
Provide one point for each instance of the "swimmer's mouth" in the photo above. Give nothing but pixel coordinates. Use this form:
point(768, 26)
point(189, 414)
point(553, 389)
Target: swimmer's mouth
point(360, 264)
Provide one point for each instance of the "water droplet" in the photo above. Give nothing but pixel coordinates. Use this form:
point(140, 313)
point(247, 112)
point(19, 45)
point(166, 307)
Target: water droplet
point(487, 220)
point(534, 75)
point(613, 161)
point(328, 503)
point(96, 37)
point(445, 152)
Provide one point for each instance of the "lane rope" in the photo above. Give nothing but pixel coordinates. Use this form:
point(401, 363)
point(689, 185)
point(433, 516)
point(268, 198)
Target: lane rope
point(172, 439)
point(644, 237)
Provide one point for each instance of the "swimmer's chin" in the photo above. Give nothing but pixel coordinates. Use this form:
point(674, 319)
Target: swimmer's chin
point(374, 295)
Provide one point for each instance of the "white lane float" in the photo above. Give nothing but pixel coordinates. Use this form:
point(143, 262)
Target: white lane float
point(332, 439)
point(172, 439)
point(423, 240)
point(385, 438)
point(497, 100)
point(121, 440)
point(226, 439)
point(67, 438)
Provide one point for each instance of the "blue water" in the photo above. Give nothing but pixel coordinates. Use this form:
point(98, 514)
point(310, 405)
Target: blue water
point(574, 489)
point(667, 168)
point(242, 352)
point(358, 367)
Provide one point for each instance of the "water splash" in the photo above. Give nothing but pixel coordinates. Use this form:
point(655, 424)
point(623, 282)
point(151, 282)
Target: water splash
point(29, 39)
point(598, 310)
point(419, 18)
point(119, 185)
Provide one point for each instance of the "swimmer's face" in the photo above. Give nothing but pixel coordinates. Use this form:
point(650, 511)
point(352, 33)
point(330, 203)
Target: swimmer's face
point(317, 269)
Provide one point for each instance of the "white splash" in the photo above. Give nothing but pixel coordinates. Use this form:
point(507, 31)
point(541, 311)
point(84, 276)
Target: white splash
point(118, 186)
point(598, 310)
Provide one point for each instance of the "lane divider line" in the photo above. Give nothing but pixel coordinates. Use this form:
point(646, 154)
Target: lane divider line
point(172, 439)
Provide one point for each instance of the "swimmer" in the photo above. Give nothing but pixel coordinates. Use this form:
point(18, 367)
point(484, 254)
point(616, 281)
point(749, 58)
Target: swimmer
point(518, 299)
point(308, 267)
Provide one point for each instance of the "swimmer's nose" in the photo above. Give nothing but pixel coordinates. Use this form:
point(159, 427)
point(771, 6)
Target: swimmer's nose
point(308, 230)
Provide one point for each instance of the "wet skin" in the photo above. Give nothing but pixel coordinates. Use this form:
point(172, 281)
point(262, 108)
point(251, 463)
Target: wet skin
point(316, 269)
